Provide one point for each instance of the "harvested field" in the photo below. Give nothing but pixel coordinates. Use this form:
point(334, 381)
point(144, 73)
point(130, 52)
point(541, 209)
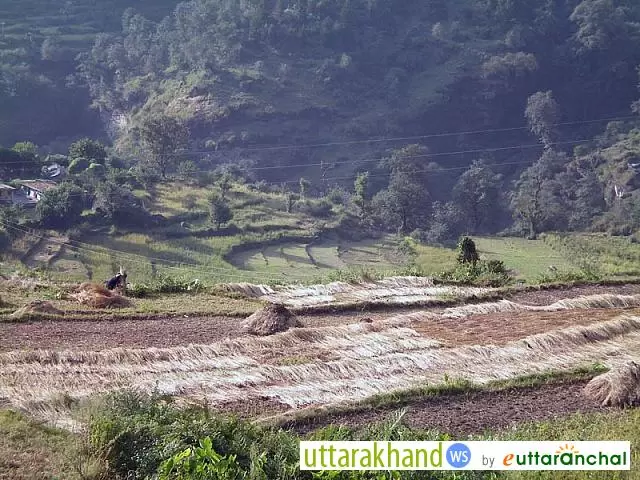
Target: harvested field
point(102, 335)
point(365, 359)
point(331, 360)
point(473, 413)
point(548, 296)
point(395, 291)
point(501, 328)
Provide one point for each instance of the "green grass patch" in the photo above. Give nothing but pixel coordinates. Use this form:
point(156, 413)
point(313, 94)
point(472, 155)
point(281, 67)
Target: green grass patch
point(30, 450)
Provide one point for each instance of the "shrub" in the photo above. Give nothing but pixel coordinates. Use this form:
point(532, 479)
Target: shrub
point(78, 166)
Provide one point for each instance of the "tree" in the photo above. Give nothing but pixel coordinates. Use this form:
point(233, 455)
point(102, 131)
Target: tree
point(361, 196)
point(405, 202)
point(539, 199)
point(26, 148)
point(118, 205)
point(163, 136)
point(78, 166)
point(467, 252)
point(61, 207)
point(304, 188)
point(445, 223)
point(187, 170)
point(219, 211)
point(291, 200)
point(542, 113)
point(224, 184)
point(93, 151)
point(477, 193)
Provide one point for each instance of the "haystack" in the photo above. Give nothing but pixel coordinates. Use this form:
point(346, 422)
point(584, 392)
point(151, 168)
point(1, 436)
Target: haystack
point(36, 307)
point(271, 319)
point(618, 387)
point(97, 296)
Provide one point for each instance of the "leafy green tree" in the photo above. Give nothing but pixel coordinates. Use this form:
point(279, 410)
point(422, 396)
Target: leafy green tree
point(405, 202)
point(89, 149)
point(224, 184)
point(477, 193)
point(445, 224)
point(539, 201)
point(187, 170)
point(26, 148)
point(61, 207)
point(467, 252)
point(361, 196)
point(219, 211)
point(119, 206)
point(163, 136)
point(78, 166)
point(542, 113)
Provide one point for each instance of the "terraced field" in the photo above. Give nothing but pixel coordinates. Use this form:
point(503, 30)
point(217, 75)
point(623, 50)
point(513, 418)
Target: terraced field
point(330, 360)
point(321, 257)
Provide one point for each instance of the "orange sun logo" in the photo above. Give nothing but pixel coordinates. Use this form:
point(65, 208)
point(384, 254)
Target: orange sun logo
point(567, 448)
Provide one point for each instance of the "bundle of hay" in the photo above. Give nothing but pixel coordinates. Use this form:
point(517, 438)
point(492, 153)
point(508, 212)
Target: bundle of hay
point(271, 319)
point(36, 307)
point(618, 387)
point(97, 296)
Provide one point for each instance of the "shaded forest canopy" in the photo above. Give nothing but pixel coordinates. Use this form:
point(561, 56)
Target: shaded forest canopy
point(241, 76)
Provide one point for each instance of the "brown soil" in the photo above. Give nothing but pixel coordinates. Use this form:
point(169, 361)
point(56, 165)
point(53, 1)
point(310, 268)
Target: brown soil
point(547, 297)
point(501, 328)
point(465, 414)
point(92, 335)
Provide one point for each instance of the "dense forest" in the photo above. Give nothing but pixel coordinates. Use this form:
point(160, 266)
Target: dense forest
point(499, 110)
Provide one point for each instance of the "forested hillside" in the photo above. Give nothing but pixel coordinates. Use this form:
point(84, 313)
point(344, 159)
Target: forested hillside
point(309, 88)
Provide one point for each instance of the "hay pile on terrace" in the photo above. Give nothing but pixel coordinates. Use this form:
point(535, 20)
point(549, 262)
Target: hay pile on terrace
point(271, 319)
point(36, 307)
point(618, 387)
point(97, 296)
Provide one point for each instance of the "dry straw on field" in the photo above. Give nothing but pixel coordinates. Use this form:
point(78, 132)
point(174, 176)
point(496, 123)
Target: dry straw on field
point(341, 363)
point(273, 318)
point(395, 290)
point(583, 302)
point(36, 307)
point(97, 296)
point(618, 387)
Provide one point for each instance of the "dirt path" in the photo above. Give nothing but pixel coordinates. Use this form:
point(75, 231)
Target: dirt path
point(474, 413)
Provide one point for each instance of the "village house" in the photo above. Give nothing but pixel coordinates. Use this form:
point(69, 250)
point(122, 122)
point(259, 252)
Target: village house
point(33, 190)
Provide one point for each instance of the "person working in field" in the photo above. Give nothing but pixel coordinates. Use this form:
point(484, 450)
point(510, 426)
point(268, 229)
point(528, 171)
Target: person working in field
point(119, 281)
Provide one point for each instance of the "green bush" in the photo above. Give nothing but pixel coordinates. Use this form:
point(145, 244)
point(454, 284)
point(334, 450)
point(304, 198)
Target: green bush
point(488, 274)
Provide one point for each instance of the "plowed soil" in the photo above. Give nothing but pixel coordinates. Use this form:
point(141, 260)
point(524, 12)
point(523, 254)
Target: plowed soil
point(501, 328)
point(473, 413)
point(92, 335)
point(547, 297)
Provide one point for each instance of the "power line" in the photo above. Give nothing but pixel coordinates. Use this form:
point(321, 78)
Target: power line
point(417, 137)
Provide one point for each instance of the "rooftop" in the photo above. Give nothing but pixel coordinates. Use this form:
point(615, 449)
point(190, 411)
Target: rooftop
point(39, 185)
point(6, 187)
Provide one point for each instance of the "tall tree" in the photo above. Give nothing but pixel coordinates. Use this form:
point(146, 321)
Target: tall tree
point(361, 195)
point(163, 136)
point(89, 149)
point(539, 200)
point(405, 202)
point(478, 196)
point(542, 113)
point(219, 211)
